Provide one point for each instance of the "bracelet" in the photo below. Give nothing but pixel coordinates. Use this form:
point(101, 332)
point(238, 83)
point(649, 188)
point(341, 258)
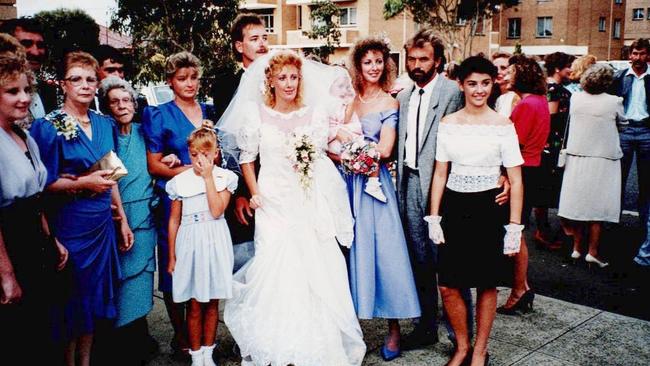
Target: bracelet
point(514, 222)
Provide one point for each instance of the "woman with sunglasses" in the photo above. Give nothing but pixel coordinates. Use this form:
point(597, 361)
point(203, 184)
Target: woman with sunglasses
point(71, 140)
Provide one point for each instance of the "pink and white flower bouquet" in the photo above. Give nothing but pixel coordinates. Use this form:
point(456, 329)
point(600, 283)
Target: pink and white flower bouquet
point(360, 157)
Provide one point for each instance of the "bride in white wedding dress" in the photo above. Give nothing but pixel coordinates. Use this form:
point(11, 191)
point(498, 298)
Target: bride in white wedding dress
point(291, 303)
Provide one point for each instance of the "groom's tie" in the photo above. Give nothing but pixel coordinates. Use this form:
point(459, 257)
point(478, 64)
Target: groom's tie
point(417, 128)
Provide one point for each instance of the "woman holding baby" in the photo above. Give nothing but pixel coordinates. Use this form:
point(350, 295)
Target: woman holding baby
point(381, 280)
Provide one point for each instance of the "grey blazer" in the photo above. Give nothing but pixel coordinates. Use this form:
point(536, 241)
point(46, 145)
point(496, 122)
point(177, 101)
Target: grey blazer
point(446, 98)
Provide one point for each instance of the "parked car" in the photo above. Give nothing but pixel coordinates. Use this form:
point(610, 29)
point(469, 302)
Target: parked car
point(157, 94)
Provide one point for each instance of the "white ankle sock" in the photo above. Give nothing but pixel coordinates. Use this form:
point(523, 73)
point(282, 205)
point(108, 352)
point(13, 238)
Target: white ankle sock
point(207, 355)
point(197, 357)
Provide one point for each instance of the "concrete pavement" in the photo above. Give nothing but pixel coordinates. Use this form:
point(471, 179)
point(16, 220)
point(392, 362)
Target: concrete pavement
point(555, 333)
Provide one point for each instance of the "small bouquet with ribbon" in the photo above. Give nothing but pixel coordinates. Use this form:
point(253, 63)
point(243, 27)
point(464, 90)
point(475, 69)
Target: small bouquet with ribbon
point(360, 157)
point(302, 156)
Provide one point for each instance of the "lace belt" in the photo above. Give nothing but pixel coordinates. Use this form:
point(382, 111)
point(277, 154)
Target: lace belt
point(197, 217)
point(472, 183)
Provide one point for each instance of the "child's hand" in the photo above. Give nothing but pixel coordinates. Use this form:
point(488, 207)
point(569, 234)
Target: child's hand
point(171, 265)
point(204, 166)
point(256, 201)
point(344, 135)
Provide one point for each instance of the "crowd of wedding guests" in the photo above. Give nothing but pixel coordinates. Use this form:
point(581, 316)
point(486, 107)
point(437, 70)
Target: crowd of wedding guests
point(480, 148)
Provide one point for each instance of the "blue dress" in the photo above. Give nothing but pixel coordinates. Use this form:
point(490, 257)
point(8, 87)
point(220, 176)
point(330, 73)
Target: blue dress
point(381, 279)
point(83, 222)
point(135, 298)
point(166, 129)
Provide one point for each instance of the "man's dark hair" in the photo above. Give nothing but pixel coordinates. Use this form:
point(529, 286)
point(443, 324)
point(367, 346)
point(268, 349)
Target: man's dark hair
point(476, 64)
point(237, 30)
point(497, 55)
point(27, 24)
point(105, 52)
point(557, 61)
point(640, 44)
point(424, 36)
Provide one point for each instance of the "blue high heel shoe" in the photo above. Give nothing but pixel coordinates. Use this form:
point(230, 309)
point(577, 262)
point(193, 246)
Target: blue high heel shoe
point(389, 355)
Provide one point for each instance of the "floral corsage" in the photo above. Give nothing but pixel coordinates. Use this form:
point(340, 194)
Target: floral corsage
point(65, 124)
point(360, 157)
point(302, 156)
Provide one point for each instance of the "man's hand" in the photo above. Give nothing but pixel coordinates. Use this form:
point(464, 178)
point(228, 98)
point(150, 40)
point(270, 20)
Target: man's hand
point(243, 209)
point(503, 197)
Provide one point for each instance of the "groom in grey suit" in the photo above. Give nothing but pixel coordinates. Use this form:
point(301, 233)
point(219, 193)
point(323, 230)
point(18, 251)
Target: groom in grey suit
point(421, 108)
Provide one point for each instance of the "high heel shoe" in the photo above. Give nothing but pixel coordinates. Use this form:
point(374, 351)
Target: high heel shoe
point(389, 355)
point(575, 255)
point(524, 305)
point(593, 260)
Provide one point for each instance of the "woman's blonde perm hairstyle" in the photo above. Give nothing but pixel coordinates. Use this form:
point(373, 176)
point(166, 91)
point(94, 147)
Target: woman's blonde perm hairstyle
point(181, 60)
point(204, 137)
point(276, 63)
point(13, 62)
point(580, 65)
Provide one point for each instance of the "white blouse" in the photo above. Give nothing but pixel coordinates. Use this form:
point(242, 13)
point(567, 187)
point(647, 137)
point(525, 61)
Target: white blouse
point(476, 153)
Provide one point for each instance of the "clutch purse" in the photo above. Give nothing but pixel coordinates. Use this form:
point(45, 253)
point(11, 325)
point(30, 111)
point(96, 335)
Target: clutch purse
point(111, 162)
point(561, 159)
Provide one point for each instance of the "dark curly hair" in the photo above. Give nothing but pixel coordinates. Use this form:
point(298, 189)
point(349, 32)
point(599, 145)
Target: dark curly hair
point(529, 76)
point(557, 61)
point(476, 64)
point(360, 49)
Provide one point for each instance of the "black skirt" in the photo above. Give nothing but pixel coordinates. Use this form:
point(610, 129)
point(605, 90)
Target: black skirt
point(472, 255)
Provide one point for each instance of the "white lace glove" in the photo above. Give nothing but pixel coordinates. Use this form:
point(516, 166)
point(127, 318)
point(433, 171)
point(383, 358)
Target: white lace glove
point(512, 240)
point(435, 230)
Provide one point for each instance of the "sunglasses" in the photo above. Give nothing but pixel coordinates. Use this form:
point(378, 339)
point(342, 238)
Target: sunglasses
point(28, 43)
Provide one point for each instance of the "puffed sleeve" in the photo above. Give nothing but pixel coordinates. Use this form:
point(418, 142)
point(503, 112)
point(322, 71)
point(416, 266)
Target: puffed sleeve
point(231, 181)
point(441, 151)
point(172, 190)
point(44, 133)
point(510, 152)
point(389, 118)
point(248, 136)
point(152, 125)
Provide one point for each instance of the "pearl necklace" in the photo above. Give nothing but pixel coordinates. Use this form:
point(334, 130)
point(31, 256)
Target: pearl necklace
point(371, 99)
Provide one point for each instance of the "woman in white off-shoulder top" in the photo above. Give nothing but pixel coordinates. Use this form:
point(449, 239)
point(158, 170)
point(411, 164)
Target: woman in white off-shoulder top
point(476, 141)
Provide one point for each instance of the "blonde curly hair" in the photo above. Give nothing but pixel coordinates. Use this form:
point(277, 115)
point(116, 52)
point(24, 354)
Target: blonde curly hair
point(276, 63)
point(580, 65)
point(13, 61)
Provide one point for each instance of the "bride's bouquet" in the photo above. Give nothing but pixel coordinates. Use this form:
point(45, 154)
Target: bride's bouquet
point(302, 156)
point(360, 157)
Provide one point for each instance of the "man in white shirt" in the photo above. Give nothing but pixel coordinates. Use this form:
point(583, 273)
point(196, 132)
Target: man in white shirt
point(633, 84)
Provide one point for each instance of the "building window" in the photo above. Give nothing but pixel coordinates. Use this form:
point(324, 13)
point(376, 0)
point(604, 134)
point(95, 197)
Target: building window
point(514, 28)
point(544, 27)
point(618, 2)
point(299, 16)
point(601, 24)
point(268, 22)
point(348, 17)
point(617, 29)
point(648, 12)
point(480, 27)
point(637, 14)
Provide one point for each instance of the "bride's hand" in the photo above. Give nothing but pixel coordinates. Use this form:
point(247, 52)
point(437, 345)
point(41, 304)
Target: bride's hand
point(256, 201)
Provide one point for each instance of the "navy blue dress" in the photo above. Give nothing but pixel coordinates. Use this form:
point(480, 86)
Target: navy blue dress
point(166, 129)
point(83, 222)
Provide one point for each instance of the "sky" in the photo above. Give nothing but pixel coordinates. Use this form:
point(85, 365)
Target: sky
point(100, 10)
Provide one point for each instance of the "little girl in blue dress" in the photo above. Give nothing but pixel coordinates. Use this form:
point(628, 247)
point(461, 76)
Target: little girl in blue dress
point(200, 248)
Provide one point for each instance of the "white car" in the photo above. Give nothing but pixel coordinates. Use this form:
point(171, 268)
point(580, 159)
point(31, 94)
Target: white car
point(157, 94)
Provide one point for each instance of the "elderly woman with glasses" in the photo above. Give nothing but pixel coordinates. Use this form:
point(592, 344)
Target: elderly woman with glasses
point(71, 140)
point(135, 294)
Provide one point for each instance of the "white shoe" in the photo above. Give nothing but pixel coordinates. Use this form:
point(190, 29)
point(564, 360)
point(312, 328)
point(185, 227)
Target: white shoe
point(373, 188)
point(207, 355)
point(593, 260)
point(575, 254)
point(197, 357)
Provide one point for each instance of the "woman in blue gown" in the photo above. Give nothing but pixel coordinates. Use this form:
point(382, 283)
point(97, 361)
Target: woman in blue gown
point(166, 128)
point(381, 279)
point(71, 140)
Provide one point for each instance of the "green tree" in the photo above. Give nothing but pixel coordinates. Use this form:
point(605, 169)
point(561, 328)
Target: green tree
point(160, 28)
point(455, 21)
point(66, 30)
point(324, 27)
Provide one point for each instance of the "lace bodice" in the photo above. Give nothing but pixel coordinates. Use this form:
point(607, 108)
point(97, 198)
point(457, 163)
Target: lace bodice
point(476, 153)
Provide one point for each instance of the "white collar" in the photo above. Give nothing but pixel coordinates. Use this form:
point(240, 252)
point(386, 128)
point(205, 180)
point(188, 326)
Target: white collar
point(428, 88)
point(630, 71)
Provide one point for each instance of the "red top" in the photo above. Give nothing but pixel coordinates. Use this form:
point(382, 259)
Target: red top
point(533, 123)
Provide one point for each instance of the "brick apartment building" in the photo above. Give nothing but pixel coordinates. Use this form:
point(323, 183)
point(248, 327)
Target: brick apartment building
point(576, 27)
point(8, 9)
point(637, 20)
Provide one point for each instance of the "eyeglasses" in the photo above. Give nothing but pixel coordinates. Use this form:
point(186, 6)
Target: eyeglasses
point(113, 69)
point(115, 102)
point(78, 80)
point(28, 43)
